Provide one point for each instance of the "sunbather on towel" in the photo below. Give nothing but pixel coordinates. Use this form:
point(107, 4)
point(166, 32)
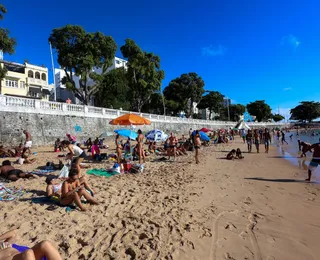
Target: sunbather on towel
point(10, 251)
point(9, 172)
point(73, 190)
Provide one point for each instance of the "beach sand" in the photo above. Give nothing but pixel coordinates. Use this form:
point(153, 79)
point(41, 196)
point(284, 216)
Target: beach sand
point(256, 208)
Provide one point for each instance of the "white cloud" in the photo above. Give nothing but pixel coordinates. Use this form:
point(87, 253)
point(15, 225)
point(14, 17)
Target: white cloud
point(212, 51)
point(287, 89)
point(291, 41)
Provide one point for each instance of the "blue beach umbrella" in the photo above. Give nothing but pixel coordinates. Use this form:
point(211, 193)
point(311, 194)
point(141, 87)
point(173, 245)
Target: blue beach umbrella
point(156, 136)
point(203, 136)
point(127, 133)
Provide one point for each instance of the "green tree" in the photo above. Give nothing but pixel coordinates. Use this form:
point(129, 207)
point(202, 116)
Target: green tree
point(113, 90)
point(184, 91)
point(79, 53)
point(144, 74)
point(155, 104)
point(306, 111)
point(277, 117)
point(213, 101)
point(260, 109)
point(7, 44)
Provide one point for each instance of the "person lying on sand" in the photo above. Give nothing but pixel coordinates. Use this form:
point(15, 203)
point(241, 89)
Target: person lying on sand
point(231, 155)
point(72, 191)
point(5, 153)
point(10, 251)
point(239, 154)
point(9, 172)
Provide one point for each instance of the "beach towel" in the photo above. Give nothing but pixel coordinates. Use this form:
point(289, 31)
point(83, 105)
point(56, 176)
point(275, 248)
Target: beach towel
point(102, 172)
point(42, 172)
point(53, 201)
point(7, 194)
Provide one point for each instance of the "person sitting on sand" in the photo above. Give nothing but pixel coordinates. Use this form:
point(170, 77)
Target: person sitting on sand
point(239, 154)
point(304, 148)
point(54, 186)
point(18, 150)
point(89, 143)
point(10, 251)
point(57, 145)
point(75, 151)
point(231, 155)
point(95, 151)
point(72, 139)
point(9, 172)
point(72, 191)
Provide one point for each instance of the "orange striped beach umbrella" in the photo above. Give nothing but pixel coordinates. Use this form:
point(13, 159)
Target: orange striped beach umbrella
point(130, 119)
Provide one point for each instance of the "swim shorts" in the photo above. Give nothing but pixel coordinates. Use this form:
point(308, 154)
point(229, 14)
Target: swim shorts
point(314, 164)
point(28, 144)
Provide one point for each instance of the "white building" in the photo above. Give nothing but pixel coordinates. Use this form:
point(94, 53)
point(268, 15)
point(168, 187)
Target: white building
point(62, 94)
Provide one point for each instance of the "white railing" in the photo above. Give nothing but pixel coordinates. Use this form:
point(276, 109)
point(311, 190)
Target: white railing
point(15, 104)
point(37, 81)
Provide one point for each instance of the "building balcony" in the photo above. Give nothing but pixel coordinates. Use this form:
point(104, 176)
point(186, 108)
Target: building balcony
point(38, 82)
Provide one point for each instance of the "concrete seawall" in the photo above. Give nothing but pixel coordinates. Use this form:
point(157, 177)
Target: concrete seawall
point(48, 121)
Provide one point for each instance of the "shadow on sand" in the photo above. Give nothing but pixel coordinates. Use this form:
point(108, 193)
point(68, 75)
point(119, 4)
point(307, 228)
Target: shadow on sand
point(277, 180)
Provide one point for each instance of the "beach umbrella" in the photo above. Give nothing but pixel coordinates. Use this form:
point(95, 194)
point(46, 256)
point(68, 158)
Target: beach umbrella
point(127, 133)
point(205, 130)
point(203, 136)
point(106, 134)
point(130, 119)
point(157, 136)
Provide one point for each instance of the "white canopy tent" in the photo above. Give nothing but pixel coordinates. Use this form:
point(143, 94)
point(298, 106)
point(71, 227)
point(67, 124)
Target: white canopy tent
point(242, 125)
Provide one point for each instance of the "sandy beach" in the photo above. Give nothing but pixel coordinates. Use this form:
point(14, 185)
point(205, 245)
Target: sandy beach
point(256, 208)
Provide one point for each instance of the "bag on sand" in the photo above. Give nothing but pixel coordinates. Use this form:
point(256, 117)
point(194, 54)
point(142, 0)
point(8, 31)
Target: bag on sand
point(64, 173)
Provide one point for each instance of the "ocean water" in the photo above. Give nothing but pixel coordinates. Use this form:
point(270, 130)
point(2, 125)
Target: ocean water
point(291, 153)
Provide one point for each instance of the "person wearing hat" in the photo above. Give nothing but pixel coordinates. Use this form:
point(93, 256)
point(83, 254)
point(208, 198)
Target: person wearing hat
point(72, 191)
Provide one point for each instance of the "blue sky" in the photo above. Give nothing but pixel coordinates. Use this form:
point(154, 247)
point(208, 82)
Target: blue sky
point(248, 50)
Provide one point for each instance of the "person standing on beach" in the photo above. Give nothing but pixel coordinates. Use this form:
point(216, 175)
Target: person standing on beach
point(249, 140)
point(283, 139)
point(315, 162)
point(28, 142)
point(266, 139)
point(256, 139)
point(140, 147)
point(197, 144)
point(172, 146)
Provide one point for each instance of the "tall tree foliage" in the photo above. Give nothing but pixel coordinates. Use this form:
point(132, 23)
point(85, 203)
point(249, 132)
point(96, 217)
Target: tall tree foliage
point(79, 53)
point(184, 91)
point(144, 74)
point(277, 117)
point(235, 111)
point(113, 90)
point(7, 43)
point(306, 111)
point(260, 109)
point(213, 101)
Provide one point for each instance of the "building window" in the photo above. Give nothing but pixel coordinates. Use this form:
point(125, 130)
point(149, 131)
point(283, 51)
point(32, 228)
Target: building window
point(37, 75)
point(33, 94)
point(11, 83)
point(21, 84)
point(30, 74)
point(44, 76)
point(117, 62)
